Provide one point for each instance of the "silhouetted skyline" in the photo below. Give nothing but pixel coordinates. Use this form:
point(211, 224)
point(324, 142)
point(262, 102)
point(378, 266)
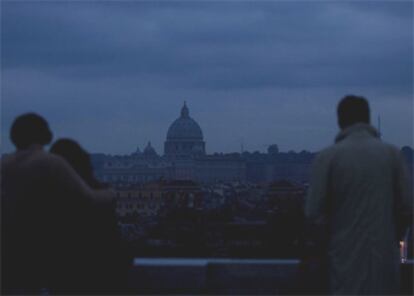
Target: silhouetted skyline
point(114, 75)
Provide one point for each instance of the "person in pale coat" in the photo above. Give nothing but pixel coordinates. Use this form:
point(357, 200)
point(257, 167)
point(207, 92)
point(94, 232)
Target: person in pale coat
point(359, 194)
point(39, 222)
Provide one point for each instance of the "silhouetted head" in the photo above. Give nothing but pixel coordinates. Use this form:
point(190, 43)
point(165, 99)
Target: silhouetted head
point(29, 129)
point(77, 157)
point(351, 110)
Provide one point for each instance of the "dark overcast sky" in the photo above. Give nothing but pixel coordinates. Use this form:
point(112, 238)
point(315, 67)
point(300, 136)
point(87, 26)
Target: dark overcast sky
point(114, 75)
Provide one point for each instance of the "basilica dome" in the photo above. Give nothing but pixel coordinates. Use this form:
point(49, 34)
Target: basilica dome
point(184, 138)
point(184, 127)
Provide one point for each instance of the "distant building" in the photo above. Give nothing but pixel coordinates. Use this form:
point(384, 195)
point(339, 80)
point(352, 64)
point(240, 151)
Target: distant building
point(184, 138)
point(184, 159)
point(187, 194)
point(285, 195)
point(220, 168)
point(265, 168)
point(149, 199)
point(139, 202)
point(137, 168)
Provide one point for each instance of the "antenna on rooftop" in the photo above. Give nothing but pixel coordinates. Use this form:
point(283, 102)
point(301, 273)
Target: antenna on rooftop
point(241, 146)
point(379, 125)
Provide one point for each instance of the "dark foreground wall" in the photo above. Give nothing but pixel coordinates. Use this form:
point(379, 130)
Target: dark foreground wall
point(233, 276)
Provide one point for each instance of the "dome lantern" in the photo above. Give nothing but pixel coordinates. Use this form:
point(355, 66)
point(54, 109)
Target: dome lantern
point(184, 111)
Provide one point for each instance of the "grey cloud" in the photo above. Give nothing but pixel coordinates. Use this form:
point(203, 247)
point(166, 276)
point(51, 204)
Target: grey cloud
point(262, 45)
point(132, 63)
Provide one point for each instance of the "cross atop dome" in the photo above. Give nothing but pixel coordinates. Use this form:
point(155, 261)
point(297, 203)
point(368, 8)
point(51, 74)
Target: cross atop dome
point(184, 110)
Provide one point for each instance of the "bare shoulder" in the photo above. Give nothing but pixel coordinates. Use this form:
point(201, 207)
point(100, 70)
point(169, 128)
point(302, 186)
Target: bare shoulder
point(64, 171)
point(55, 161)
point(30, 159)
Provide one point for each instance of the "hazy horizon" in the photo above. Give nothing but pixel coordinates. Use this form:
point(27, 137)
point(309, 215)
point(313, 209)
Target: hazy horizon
point(114, 75)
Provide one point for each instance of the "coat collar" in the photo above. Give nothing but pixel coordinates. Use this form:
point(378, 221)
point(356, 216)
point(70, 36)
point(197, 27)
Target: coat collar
point(357, 128)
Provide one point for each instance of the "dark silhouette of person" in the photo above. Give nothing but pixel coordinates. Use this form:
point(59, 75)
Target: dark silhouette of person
point(39, 215)
point(78, 158)
point(359, 191)
point(105, 257)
